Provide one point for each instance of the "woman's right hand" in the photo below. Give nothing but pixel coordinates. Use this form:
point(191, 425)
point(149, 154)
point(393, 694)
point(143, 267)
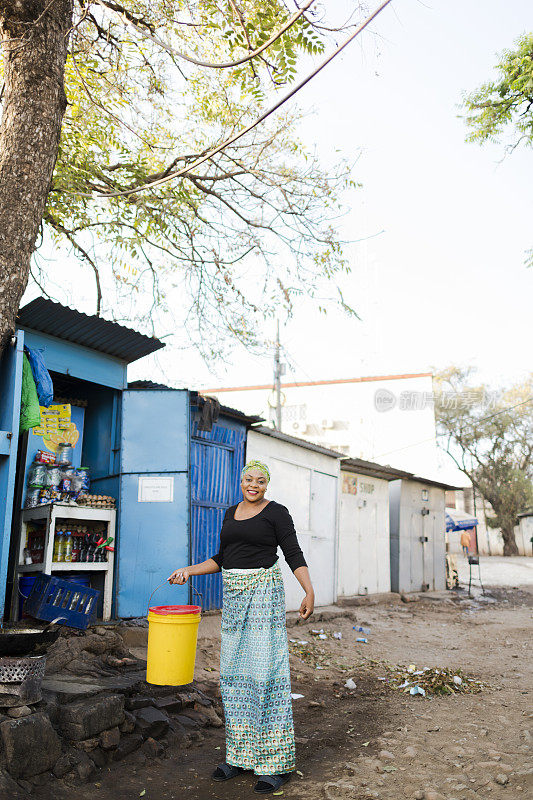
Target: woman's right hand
point(180, 576)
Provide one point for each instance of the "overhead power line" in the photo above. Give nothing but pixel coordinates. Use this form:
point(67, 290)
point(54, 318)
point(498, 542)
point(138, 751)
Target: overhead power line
point(202, 159)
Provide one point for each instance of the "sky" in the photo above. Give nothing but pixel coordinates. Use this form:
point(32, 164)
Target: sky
point(438, 273)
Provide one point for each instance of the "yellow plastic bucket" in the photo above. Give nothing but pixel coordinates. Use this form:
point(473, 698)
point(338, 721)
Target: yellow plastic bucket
point(172, 637)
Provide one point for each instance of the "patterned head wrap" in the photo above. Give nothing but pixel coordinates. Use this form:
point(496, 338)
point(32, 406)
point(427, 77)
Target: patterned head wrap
point(256, 465)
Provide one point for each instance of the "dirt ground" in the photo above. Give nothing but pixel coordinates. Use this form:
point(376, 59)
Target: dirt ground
point(373, 741)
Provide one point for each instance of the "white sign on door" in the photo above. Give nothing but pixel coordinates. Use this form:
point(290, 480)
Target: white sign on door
point(155, 490)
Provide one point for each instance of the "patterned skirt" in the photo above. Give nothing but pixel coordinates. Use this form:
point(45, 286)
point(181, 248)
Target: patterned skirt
point(255, 679)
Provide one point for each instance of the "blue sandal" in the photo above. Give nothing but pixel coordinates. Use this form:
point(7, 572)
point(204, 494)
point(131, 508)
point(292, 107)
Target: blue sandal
point(224, 772)
point(271, 783)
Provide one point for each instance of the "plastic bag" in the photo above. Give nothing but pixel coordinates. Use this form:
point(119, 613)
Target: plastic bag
point(41, 376)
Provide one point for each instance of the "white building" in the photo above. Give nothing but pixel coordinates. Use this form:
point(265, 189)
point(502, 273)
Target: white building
point(305, 478)
point(417, 535)
point(364, 546)
point(388, 418)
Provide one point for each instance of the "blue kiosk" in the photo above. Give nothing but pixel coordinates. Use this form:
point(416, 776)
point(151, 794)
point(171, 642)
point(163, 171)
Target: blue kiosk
point(143, 444)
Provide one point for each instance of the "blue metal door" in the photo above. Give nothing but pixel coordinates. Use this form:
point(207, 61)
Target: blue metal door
point(153, 536)
point(10, 389)
point(217, 458)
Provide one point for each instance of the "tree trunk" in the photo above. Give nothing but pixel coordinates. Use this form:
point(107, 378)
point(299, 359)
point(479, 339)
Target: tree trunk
point(509, 542)
point(35, 37)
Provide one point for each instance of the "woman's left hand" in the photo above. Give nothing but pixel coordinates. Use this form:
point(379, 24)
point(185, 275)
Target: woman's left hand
point(308, 605)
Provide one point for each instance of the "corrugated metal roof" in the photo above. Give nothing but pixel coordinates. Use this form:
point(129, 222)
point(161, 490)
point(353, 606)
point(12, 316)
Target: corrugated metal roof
point(431, 482)
point(94, 332)
point(285, 437)
point(374, 470)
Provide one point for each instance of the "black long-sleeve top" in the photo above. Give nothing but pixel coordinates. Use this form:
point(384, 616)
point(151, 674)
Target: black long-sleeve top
point(252, 543)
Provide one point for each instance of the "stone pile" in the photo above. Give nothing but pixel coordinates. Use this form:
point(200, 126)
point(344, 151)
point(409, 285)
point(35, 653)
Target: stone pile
point(72, 733)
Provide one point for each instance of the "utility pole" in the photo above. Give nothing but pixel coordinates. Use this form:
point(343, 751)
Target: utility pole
point(279, 370)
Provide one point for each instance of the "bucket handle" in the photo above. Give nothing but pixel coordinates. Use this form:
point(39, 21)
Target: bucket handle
point(165, 582)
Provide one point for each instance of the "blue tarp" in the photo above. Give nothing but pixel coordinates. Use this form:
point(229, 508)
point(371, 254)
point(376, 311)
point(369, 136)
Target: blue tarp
point(459, 520)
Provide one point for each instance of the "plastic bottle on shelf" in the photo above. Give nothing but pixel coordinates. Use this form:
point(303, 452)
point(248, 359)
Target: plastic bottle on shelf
point(67, 547)
point(58, 546)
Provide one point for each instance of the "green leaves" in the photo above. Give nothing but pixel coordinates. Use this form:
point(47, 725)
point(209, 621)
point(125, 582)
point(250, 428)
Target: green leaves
point(243, 235)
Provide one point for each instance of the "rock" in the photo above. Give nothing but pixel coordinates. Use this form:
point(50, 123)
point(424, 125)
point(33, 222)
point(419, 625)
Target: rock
point(352, 768)
point(18, 712)
point(86, 719)
point(109, 739)
point(187, 722)
point(386, 755)
point(169, 704)
point(127, 745)
point(335, 790)
point(87, 744)
point(98, 757)
point(41, 779)
point(63, 765)
point(152, 748)
point(85, 767)
point(128, 726)
point(410, 752)
point(212, 717)
point(202, 698)
point(11, 789)
point(151, 722)
point(186, 699)
point(199, 717)
point(31, 745)
point(409, 598)
point(502, 778)
point(139, 701)
point(419, 795)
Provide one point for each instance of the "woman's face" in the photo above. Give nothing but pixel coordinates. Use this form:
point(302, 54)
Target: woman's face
point(254, 485)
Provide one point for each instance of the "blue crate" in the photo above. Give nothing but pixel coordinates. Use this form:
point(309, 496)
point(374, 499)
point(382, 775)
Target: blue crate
point(53, 597)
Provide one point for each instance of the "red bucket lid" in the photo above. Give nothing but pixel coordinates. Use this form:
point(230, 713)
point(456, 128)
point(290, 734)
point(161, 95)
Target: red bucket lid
point(171, 610)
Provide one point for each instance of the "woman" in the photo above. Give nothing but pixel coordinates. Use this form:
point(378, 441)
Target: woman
point(254, 660)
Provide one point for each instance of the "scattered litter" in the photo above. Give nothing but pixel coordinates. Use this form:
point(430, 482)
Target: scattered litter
point(360, 629)
point(390, 769)
point(350, 684)
point(322, 636)
point(362, 639)
point(296, 696)
point(315, 632)
point(141, 794)
point(275, 794)
point(430, 680)
point(337, 635)
point(293, 640)
point(319, 667)
point(302, 642)
point(299, 773)
point(365, 744)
